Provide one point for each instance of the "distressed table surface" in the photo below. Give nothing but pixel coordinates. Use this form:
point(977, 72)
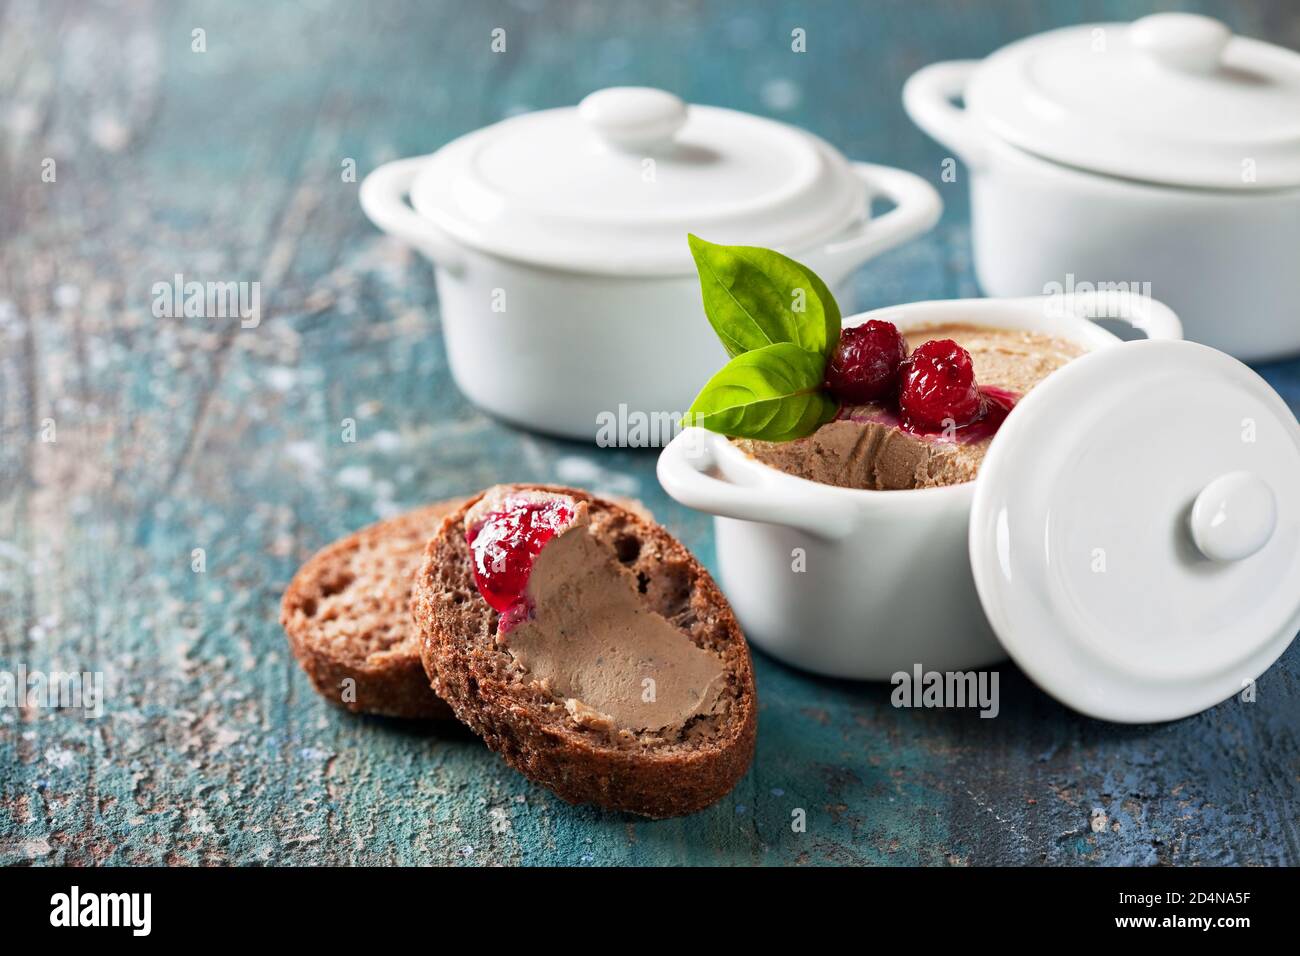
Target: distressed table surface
point(171, 435)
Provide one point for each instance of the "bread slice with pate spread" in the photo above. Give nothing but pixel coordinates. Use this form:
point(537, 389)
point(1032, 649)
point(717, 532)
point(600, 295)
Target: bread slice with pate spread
point(589, 648)
point(347, 615)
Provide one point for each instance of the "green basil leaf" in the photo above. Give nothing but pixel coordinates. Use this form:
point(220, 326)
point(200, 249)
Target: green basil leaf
point(756, 297)
point(772, 393)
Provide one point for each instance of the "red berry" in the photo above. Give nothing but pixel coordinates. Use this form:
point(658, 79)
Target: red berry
point(506, 544)
point(939, 389)
point(864, 366)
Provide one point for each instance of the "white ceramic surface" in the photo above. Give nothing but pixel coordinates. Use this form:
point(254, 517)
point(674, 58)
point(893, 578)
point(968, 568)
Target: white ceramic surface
point(613, 185)
point(1234, 516)
point(1222, 258)
point(888, 581)
point(1135, 531)
point(1172, 98)
point(567, 288)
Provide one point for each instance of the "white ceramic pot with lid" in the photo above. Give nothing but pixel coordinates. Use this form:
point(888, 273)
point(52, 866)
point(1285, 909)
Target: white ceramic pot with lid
point(568, 292)
point(1165, 151)
point(1132, 539)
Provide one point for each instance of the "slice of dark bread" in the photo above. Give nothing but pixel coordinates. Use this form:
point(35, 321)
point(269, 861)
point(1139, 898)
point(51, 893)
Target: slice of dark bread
point(636, 772)
point(347, 614)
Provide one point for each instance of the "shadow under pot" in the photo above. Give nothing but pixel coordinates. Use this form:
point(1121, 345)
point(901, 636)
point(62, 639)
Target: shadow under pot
point(1131, 539)
point(569, 297)
point(1161, 156)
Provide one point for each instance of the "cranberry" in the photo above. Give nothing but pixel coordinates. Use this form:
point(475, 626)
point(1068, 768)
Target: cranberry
point(505, 545)
point(939, 389)
point(864, 366)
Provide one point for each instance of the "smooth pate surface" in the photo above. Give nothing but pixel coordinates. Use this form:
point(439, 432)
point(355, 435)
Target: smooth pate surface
point(594, 642)
point(865, 454)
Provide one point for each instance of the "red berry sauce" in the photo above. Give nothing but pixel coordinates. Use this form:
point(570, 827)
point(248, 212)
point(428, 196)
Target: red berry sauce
point(998, 403)
point(504, 546)
point(936, 396)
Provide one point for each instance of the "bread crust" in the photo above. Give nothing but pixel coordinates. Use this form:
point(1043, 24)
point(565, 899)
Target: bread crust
point(530, 727)
point(347, 616)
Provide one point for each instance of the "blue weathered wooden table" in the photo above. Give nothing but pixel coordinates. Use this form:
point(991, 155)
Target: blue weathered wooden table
point(127, 441)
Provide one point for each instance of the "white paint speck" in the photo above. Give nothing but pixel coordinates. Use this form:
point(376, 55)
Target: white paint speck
point(305, 455)
point(109, 133)
point(386, 442)
point(572, 470)
point(281, 378)
point(780, 95)
point(60, 757)
point(500, 820)
point(354, 477)
point(386, 508)
point(31, 849)
point(23, 118)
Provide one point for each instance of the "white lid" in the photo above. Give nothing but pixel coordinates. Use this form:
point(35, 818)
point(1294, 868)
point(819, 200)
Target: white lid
point(1171, 98)
point(615, 184)
point(1135, 531)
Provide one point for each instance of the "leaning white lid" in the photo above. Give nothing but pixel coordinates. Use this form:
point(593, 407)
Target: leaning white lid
point(1135, 531)
point(1172, 98)
point(615, 184)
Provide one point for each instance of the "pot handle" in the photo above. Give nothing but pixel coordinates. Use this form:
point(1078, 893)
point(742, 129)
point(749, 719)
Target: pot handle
point(1144, 313)
point(684, 471)
point(384, 196)
point(927, 98)
point(917, 208)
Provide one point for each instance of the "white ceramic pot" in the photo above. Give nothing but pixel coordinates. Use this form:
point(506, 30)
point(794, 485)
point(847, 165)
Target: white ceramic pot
point(569, 296)
point(1132, 539)
point(1163, 153)
point(888, 581)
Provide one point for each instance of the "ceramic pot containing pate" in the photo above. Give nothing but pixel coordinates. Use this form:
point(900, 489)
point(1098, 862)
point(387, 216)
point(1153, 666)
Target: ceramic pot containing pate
point(1162, 154)
point(569, 296)
point(1122, 542)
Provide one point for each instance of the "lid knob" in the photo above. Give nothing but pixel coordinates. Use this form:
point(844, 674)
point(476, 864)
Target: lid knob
point(1181, 41)
point(1233, 516)
point(634, 118)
